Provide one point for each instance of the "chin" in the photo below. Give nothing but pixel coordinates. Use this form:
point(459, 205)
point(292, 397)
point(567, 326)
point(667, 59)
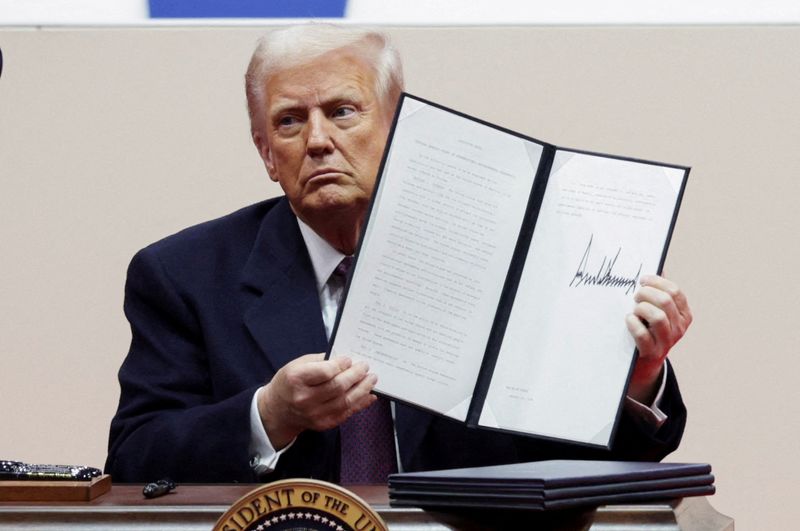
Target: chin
point(334, 203)
point(337, 198)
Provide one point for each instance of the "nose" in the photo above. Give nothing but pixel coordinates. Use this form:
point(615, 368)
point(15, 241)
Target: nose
point(319, 141)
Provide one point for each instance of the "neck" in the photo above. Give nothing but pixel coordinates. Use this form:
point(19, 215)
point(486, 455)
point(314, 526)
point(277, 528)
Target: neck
point(340, 230)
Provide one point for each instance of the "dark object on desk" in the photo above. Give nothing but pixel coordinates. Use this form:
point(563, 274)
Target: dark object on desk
point(158, 488)
point(549, 485)
point(18, 471)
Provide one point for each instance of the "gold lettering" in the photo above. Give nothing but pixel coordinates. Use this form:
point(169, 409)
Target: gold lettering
point(246, 514)
point(336, 504)
point(237, 524)
point(256, 505)
point(270, 500)
point(287, 493)
point(363, 523)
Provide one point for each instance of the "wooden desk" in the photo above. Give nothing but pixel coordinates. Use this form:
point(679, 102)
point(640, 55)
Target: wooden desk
point(197, 507)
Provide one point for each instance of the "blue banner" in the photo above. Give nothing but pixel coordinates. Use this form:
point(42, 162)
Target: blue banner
point(247, 8)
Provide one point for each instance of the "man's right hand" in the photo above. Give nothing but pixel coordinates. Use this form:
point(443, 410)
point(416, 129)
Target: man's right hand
point(311, 393)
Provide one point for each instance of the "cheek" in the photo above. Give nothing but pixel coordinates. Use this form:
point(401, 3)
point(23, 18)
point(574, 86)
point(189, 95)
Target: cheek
point(373, 152)
point(287, 161)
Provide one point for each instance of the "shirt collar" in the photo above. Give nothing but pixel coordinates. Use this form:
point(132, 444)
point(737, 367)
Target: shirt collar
point(324, 258)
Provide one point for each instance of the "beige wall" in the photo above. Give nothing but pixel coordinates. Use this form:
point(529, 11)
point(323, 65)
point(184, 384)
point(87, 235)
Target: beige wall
point(110, 139)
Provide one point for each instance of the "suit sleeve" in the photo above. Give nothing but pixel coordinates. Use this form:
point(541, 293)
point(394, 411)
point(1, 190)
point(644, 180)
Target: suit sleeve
point(169, 422)
point(637, 442)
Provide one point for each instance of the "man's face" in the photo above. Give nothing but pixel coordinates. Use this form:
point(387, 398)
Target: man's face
point(323, 135)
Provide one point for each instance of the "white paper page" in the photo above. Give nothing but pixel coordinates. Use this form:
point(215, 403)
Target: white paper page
point(566, 351)
point(435, 256)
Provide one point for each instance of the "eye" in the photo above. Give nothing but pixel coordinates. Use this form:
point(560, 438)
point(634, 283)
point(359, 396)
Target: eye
point(287, 121)
point(345, 111)
point(288, 124)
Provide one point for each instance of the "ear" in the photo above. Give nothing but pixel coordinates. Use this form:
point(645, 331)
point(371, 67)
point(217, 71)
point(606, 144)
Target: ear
point(262, 145)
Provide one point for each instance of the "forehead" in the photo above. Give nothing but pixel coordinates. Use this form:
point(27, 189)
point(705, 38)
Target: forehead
point(336, 74)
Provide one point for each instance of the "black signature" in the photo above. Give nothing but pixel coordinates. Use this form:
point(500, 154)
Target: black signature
point(605, 273)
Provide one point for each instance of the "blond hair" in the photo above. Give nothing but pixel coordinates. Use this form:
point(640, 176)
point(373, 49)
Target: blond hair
point(296, 45)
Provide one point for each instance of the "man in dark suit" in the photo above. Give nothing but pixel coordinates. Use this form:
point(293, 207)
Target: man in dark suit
point(219, 384)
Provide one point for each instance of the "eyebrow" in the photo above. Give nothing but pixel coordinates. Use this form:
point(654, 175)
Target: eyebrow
point(288, 104)
point(282, 107)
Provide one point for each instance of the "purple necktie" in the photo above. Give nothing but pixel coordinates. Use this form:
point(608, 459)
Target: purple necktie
point(368, 446)
point(367, 438)
point(340, 273)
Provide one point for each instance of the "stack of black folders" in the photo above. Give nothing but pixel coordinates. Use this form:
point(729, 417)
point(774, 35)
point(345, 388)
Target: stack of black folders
point(551, 485)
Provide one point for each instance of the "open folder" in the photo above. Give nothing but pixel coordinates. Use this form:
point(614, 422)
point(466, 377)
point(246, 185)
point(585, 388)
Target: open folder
point(494, 273)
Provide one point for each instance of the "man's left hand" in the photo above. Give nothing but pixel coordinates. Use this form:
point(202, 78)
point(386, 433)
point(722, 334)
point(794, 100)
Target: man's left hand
point(659, 320)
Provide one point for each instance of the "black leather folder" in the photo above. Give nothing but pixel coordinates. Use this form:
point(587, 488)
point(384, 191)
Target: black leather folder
point(546, 485)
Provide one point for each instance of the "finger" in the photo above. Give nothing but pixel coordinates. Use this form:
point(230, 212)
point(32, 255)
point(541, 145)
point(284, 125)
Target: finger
point(656, 321)
point(683, 306)
point(645, 341)
point(341, 383)
point(682, 317)
point(354, 399)
point(660, 299)
point(360, 396)
point(315, 372)
point(336, 411)
point(307, 358)
point(674, 291)
point(657, 281)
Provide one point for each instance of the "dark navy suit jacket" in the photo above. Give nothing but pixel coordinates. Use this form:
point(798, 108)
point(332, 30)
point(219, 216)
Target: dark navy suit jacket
point(215, 311)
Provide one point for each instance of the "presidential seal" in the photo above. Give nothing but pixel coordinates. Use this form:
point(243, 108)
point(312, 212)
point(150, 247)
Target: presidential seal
point(300, 505)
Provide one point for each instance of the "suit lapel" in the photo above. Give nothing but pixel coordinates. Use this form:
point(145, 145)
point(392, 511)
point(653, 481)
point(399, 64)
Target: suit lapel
point(282, 312)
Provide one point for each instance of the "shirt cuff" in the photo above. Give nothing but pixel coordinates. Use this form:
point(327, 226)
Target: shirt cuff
point(263, 456)
point(650, 416)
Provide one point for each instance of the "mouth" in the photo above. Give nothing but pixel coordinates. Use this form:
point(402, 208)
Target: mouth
point(324, 174)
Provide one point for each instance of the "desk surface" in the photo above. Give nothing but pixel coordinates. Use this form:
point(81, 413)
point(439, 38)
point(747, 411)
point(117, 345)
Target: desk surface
point(196, 507)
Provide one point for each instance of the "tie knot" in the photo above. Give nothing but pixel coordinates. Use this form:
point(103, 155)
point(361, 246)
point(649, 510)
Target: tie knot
point(343, 268)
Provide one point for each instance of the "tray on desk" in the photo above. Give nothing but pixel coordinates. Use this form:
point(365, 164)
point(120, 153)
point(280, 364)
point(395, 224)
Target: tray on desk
point(33, 490)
